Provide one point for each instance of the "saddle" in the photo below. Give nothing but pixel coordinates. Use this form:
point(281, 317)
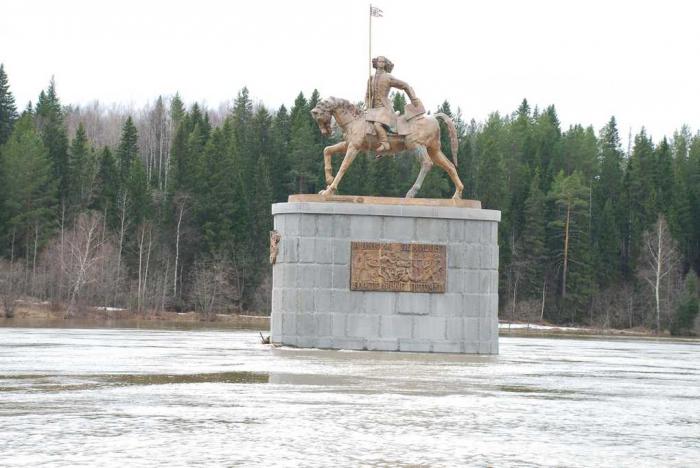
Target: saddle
point(403, 122)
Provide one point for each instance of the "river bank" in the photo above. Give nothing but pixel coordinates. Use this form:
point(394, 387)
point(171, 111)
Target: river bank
point(43, 315)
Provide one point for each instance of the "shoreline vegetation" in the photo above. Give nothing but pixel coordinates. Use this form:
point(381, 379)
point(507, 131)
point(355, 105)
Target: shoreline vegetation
point(46, 315)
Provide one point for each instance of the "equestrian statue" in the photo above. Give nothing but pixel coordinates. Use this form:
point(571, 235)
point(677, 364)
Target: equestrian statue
point(379, 128)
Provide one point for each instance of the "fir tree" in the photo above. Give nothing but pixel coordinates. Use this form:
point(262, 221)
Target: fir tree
point(49, 120)
point(127, 152)
point(8, 110)
point(30, 192)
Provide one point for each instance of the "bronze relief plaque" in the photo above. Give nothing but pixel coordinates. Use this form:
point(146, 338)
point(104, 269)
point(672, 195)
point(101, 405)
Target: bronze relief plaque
point(397, 267)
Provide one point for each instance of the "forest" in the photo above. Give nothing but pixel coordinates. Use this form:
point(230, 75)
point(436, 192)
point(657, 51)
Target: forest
point(167, 206)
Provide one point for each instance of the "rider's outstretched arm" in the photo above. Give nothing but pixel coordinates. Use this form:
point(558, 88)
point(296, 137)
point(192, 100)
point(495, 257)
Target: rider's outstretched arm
point(402, 85)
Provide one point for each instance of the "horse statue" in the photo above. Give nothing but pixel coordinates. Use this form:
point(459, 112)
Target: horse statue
point(421, 133)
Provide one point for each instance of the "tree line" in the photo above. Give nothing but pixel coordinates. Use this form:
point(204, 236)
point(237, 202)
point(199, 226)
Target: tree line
point(168, 206)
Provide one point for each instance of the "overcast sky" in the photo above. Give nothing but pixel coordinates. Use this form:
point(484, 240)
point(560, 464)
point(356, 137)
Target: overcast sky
point(639, 61)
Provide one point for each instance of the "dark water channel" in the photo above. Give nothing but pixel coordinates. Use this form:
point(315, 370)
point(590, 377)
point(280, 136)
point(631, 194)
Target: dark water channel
point(127, 397)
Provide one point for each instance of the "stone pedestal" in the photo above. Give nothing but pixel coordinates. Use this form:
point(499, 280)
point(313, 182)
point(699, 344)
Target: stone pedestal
point(312, 301)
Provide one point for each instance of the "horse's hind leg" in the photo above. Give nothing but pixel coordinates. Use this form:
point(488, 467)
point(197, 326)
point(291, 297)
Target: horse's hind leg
point(425, 165)
point(328, 152)
point(347, 161)
point(441, 160)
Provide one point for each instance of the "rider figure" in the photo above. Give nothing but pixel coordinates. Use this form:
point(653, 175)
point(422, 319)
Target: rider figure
point(379, 108)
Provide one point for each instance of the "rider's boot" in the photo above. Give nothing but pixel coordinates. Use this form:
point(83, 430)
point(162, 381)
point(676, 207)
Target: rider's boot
point(384, 145)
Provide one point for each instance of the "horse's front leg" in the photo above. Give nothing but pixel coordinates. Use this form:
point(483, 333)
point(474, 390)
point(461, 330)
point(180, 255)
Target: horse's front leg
point(328, 152)
point(347, 161)
point(425, 165)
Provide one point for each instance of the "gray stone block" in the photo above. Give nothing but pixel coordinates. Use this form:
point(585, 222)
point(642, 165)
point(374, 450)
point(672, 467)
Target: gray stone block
point(415, 346)
point(323, 250)
point(471, 305)
point(445, 305)
point(276, 326)
point(340, 301)
point(324, 342)
point(362, 325)
point(307, 275)
point(322, 301)
point(278, 223)
point(289, 340)
point(324, 325)
point(472, 256)
point(484, 347)
point(399, 229)
point(324, 226)
point(276, 302)
point(350, 343)
point(396, 326)
point(413, 303)
point(431, 230)
point(306, 325)
point(289, 324)
point(341, 252)
point(471, 330)
point(454, 280)
point(308, 225)
point(341, 277)
point(306, 341)
point(472, 281)
point(493, 281)
point(429, 328)
point(485, 329)
point(290, 300)
point(470, 347)
point(306, 250)
point(379, 302)
point(455, 255)
point(472, 232)
point(419, 212)
point(447, 347)
point(306, 301)
point(357, 302)
point(324, 276)
point(455, 329)
point(292, 226)
point(365, 228)
point(341, 227)
point(288, 251)
point(455, 229)
point(382, 345)
point(338, 325)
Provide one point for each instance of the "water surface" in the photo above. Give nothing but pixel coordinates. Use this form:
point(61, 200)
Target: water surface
point(125, 397)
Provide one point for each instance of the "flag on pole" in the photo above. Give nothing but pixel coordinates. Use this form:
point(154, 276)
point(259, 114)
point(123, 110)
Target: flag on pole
point(376, 12)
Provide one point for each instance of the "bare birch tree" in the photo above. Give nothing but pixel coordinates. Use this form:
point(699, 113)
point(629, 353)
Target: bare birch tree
point(659, 258)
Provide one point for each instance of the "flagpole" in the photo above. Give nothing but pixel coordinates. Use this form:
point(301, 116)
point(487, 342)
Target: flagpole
point(369, 64)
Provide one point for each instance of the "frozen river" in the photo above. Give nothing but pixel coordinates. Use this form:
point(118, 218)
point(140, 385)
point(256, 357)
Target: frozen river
point(120, 397)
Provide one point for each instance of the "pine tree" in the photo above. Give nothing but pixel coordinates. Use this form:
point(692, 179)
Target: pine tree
point(532, 242)
point(663, 177)
point(571, 225)
point(8, 110)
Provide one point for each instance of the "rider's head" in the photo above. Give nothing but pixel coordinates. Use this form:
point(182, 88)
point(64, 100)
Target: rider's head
point(382, 62)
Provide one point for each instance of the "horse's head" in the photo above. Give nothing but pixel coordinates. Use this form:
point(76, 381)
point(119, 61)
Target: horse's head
point(322, 114)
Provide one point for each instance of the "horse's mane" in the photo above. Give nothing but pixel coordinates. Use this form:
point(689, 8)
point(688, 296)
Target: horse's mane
point(331, 103)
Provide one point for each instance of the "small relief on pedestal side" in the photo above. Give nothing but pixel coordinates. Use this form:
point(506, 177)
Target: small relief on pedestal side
point(397, 267)
point(275, 238)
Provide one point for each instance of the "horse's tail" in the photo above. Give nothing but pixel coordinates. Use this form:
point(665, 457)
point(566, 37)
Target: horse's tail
point(452, 130)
